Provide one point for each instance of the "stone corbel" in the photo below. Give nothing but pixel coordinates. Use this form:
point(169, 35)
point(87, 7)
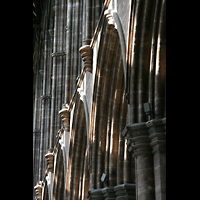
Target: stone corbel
point(50, 160)
point(38, 190)
point(65, 115)
point(87, 56)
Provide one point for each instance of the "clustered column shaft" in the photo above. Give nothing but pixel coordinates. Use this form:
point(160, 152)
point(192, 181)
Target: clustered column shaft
point(139, 142)
point(158, 142)
point(147, 142)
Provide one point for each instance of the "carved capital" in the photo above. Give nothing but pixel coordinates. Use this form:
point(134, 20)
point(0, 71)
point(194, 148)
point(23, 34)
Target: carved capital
point(38, 190)
point(50, 161)
point(156, 129)
point(87, 55)
point(95, 194)
point(125, 191)
point(65, 115)
point(137, 138)
point(109, 193)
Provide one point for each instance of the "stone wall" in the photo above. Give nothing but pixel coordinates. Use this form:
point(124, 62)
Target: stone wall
point(95, 65)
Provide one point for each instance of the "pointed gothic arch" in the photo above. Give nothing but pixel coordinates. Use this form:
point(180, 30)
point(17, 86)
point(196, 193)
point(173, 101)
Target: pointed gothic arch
point(77, 169)
point(109, 106)
point(46, 192)
point(58, 182)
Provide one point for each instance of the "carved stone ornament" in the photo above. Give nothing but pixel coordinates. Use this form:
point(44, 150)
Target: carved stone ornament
point(65, 115)
point(38, 190)
point(137, 138)
point(50, 161)
point(109, 193)
point(157, 135)
point(86, 54)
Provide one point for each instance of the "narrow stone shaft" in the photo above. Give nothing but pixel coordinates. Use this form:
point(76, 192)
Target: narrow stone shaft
point(139, 144)
point(158, 142)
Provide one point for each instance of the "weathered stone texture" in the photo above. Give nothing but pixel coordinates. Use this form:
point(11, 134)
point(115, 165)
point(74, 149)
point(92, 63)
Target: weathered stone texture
point(95, 64)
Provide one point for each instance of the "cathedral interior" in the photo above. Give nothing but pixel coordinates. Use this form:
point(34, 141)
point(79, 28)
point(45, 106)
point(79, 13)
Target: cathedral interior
point(99, 99)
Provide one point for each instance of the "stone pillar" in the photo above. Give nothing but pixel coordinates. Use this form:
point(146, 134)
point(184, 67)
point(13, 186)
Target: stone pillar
point(139, 144)
point(87, 23)
point(95, 194)
point(125, 191)
point(158, 142)
point(38, 190)
point(109, 193)
point(65, 115)
point(87, 56)
point(50, 160)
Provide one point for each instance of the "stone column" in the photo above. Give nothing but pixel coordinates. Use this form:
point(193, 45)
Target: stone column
point(125, 191)
point(88, 22)
point(65, 115)
point(38, 190)
point(109, 193)
point(87, 56)
point(158, 142)
point(139, 144)
point(50, 160)
point(95, 194)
